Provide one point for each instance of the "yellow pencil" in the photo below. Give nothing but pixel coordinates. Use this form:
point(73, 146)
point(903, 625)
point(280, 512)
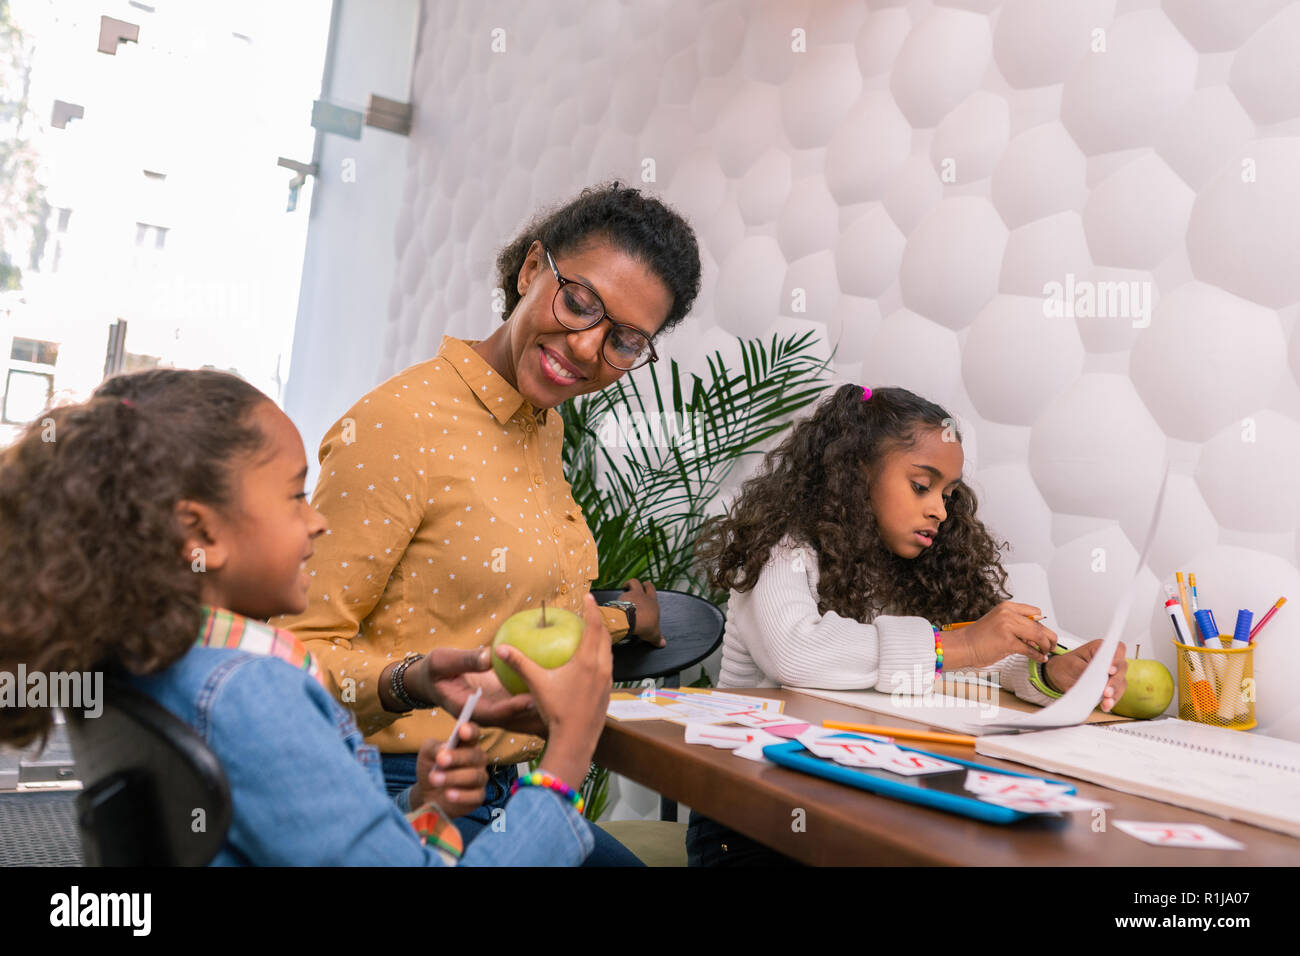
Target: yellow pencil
point(959, 624)
point(930, 735)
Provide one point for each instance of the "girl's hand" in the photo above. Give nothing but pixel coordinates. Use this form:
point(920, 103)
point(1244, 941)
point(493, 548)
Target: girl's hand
point(647, 611)
point(456, 780)
point(1007, 629)
point(572, 698)
point(1064, 669)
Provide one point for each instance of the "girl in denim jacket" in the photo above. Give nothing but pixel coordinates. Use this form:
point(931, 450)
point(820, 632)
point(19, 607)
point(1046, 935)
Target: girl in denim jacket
point(151, 530)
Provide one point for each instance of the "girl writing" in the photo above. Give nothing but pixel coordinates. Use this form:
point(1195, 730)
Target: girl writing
point(855, 542)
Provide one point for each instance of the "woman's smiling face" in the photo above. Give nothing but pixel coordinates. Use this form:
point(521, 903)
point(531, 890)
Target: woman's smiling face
point(552, 363)
point(909, 492)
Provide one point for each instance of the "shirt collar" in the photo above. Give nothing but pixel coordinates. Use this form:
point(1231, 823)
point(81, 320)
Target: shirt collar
point(493, 392)
point(219, 627)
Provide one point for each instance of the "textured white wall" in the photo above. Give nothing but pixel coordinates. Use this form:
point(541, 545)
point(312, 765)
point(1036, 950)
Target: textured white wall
point(923, 170)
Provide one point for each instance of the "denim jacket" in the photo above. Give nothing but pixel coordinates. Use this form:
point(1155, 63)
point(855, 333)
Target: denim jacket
point(308, 792)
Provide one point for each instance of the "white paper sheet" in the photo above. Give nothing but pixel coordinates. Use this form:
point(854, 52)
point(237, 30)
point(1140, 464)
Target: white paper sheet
point(1079, 701)
point(635, 710)
point(716, 700)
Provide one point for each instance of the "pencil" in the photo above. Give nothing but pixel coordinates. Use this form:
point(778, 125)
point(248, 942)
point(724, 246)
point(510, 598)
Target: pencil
point(952, 627)
point(1264, 620)
point(933, 736)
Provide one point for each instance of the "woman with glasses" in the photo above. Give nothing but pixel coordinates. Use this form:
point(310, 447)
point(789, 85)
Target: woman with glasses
point(447, 506)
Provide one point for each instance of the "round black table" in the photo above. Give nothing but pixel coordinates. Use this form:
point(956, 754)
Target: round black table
point(693, 629)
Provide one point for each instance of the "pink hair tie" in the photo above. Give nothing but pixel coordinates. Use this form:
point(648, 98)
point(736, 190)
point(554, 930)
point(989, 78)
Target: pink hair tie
point(866, 393)
point(128, 403)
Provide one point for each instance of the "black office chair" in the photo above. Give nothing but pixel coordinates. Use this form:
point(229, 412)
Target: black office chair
point(154, 794)
point(693, 628)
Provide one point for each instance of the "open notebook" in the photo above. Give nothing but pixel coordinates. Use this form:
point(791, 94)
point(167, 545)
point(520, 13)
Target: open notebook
point(1228, 773)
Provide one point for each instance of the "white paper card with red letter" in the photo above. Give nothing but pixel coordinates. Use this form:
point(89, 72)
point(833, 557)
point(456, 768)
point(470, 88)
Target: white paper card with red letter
point(853, 751)
point(760, 718)
point(725, 738)
point(754, 749)
point(1048, 803)
point(911, 765)
point(1195, 835)
point(992, 784)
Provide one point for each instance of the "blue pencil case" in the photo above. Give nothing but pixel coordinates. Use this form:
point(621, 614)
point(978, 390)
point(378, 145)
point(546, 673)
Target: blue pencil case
point(942, 791)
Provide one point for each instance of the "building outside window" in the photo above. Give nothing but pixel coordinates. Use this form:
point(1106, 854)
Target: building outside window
point(180, 228)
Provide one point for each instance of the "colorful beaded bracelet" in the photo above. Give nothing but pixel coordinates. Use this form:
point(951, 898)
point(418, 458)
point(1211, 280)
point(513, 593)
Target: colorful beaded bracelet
point(539, 779)
point(938, 651)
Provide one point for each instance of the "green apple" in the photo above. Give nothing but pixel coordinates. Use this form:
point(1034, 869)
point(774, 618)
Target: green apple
point(1150, 689)
point(548, 635)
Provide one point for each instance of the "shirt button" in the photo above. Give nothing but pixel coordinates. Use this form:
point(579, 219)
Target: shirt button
point(537, 479)
point(555, 532)
point(564, 589)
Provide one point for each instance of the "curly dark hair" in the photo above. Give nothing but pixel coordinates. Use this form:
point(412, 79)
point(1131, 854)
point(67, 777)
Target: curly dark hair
point(639, 225)
point(814, 486)
point(92, 573)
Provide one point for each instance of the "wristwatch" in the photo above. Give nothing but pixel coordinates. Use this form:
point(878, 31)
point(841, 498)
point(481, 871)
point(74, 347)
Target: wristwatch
point(628, 608)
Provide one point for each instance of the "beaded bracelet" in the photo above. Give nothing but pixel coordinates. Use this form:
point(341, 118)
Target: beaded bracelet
point(539, 779)
point(938, 651)
point(397, 684)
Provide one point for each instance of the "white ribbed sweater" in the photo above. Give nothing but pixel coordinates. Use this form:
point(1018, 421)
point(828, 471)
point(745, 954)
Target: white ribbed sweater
point(776, 636)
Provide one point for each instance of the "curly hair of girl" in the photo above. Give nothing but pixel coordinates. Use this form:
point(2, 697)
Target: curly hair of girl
point(92, 571)
point(814, 487)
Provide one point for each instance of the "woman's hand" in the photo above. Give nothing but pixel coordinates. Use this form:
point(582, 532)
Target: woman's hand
point(447, 676)
point(572, 698)
point(647, 611)
point(455, 779)
point(1064, 669)
point(1007, 629)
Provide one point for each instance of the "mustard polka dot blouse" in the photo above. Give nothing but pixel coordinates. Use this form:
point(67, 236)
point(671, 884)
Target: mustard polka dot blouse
point(448, 512)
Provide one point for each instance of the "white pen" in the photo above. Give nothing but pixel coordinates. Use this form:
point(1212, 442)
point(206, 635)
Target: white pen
point(465, 713)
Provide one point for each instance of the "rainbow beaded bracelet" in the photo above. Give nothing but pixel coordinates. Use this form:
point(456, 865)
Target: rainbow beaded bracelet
point(540, 779)
point(938, 651)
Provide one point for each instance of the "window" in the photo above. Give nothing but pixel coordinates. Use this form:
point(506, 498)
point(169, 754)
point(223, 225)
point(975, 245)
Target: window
point(35, 351)
point(136, 362)
point(113, 31)
point(63, 113)
point(147, 235)
point(26, 395)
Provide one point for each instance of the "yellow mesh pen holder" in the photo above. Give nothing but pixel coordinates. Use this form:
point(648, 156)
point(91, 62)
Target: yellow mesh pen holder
point(1216, 685)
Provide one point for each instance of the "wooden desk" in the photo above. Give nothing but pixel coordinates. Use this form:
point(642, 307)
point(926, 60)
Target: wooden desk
point(844, 826)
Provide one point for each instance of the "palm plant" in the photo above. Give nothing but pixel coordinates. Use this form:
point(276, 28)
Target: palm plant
point(645, 476)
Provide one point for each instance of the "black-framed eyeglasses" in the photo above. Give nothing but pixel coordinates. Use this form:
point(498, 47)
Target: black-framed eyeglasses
point(578, 308)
